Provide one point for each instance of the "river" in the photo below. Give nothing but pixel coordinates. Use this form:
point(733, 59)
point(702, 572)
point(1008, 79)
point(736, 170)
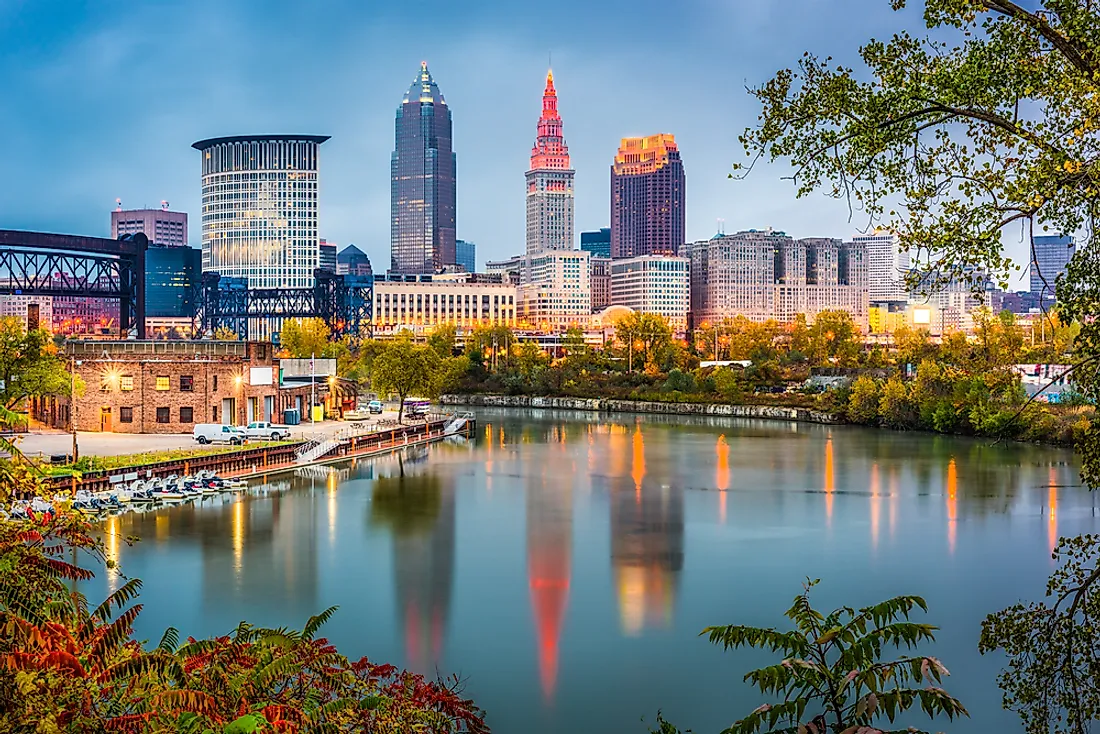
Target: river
point(563, 564)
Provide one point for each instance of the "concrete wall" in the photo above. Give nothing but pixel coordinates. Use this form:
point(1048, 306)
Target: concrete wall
point(768, 412)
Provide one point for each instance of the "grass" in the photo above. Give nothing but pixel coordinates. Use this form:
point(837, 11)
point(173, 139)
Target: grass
point(123, 461)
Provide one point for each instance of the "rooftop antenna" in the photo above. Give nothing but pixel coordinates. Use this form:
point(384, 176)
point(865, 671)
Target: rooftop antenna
point(118, 205)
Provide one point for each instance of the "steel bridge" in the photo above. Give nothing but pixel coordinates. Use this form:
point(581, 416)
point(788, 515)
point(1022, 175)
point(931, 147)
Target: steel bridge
point(42, 264)
point(344, 302)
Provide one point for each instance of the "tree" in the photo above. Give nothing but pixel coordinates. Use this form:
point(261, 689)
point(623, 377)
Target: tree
point(305, 338)
point(894, 407)
point(834, 338)
point(225, 334)
point(405, 369)
point(646, 337)
point(912, 346)
point(29, 365)
point(863, 401)
point(832, 679)
point(442, 339)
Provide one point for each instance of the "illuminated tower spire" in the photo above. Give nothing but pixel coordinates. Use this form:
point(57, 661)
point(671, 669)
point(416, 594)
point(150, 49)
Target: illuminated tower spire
point(549, 181)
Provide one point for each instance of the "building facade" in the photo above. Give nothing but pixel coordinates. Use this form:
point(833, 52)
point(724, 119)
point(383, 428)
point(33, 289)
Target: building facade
point(549, 181)
point(172, 276)
point(647, 197)
point(599, 269)
point(326, 256)
point(422, 181)
point(353, 261)
point(466, 255)
point(597, 242)
point(420, 303)
point(1049, 258)
point(259, 208)
point(169, 386)
point(656, 284)
point(36, 312)
point(766, 274)
point(887, 266)
point(161, 226)
point(555, 290)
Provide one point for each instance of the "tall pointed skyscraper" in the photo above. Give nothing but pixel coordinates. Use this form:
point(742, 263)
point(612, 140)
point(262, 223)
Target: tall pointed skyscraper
point(550, 181)
point(422, 181)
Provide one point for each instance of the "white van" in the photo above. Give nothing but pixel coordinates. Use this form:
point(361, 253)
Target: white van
point(206, 433)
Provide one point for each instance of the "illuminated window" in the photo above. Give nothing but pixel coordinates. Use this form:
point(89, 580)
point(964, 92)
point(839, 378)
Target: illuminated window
point(126, 382)
point(163, 383)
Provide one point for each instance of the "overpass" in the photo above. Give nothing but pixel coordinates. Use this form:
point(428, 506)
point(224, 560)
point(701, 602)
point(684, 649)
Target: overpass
point(44, 264)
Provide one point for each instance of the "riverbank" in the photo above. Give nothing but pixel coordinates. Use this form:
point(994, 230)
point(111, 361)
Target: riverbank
point(601, 405)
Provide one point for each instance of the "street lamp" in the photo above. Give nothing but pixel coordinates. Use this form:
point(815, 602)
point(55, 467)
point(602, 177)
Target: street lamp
point(238, 379)
point(72, 405)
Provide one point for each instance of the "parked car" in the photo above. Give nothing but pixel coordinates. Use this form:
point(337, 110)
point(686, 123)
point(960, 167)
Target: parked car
point(206, 433)
point(264, 429)
point(355, 415)
point(375, 406)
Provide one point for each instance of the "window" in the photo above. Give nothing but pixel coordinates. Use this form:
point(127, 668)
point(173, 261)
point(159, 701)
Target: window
point(164, 415)
point(187, 415)
point(126, 382)
point(164, 383)
point(126, 415)
point(215, 382)
point(187, 383)
point(214, 412)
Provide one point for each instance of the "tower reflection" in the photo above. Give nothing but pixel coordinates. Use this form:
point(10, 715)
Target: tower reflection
point(549, 561)
point(419, 509)
point(647, 544)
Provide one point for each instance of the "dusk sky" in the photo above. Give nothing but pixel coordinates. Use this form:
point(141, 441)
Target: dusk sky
point(103, 100)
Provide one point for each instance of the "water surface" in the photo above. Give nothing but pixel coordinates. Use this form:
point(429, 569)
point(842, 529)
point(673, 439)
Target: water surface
point(563, 564)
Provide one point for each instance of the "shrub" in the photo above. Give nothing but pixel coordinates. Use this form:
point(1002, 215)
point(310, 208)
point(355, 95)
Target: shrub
point(863, 402)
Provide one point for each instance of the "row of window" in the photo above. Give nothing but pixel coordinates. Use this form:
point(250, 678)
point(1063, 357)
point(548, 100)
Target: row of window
point(163, 383)
point(164, 415)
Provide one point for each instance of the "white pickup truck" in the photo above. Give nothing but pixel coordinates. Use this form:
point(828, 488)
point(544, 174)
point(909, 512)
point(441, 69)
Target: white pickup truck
point(264, 430)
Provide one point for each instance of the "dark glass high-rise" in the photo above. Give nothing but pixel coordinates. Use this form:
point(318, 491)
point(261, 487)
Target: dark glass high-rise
point(422, 190)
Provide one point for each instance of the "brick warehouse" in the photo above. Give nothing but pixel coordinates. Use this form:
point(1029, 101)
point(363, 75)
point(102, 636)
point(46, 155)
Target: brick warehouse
point(168, 386)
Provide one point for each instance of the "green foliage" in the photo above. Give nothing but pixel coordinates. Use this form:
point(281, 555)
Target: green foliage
point(1054, 647)
point(225, 334)
point(30, 365)
point(442, 339)
point(863, 401)
point(645, 338)
point(679, 381)
point(894, 408)
point(727, 381)
point(403, 368)
point(832, 677)
point(303, 338)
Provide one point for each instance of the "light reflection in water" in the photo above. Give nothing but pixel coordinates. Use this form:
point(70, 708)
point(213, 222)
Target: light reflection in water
point(875, 490)
point(952, 499)
point(829, 480)
point(722, 475)
point(637, 461)
point(110, 549)
point(1052, 508)
point(238, 537)
point(332, 508)
point(549, 561)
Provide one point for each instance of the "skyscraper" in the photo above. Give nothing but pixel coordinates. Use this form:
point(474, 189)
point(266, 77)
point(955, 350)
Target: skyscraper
point(327, 259)
point(597, 242)
point(647, 197)
point(887, 266)
point(161, 226)
point(259, 208)
point(422, 181)
point(353, 261)
point(466, 255)
point(549, 181)
point(1049, 258)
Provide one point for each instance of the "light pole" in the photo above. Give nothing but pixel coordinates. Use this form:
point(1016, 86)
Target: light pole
point(240, 381)
point(72, 406)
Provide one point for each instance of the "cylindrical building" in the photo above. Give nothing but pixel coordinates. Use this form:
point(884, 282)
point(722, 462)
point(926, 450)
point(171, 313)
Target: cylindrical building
point(259, 208)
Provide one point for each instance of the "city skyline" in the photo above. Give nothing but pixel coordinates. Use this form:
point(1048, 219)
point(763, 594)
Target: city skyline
point(58, 60)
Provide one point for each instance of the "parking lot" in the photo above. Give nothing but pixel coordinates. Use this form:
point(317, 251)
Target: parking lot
point(49, 443)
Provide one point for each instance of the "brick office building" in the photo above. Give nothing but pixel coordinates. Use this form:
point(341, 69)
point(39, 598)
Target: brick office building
point(167, 387)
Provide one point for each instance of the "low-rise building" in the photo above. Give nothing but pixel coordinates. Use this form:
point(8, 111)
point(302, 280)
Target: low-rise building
point(555, 291)
point(152, 386)
point(419, 303)
point(33, 311)
point(656, 284)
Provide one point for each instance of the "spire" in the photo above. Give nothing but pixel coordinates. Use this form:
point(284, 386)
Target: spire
point(550, 150)
point(424, 89)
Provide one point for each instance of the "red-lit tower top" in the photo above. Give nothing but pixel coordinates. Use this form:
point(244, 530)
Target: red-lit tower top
point(550, 150)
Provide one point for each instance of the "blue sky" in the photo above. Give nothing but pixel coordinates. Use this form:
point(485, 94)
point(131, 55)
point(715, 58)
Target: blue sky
point(103, 100)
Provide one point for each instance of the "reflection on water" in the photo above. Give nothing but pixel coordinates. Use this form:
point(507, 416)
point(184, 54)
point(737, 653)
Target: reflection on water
point(555, 552)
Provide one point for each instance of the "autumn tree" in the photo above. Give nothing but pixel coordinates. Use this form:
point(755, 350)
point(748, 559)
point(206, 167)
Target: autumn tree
point(305, 338)
point(987, 125)
point(403, 368)
point(30, 365)
point(645, 337)
point(225, 334)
